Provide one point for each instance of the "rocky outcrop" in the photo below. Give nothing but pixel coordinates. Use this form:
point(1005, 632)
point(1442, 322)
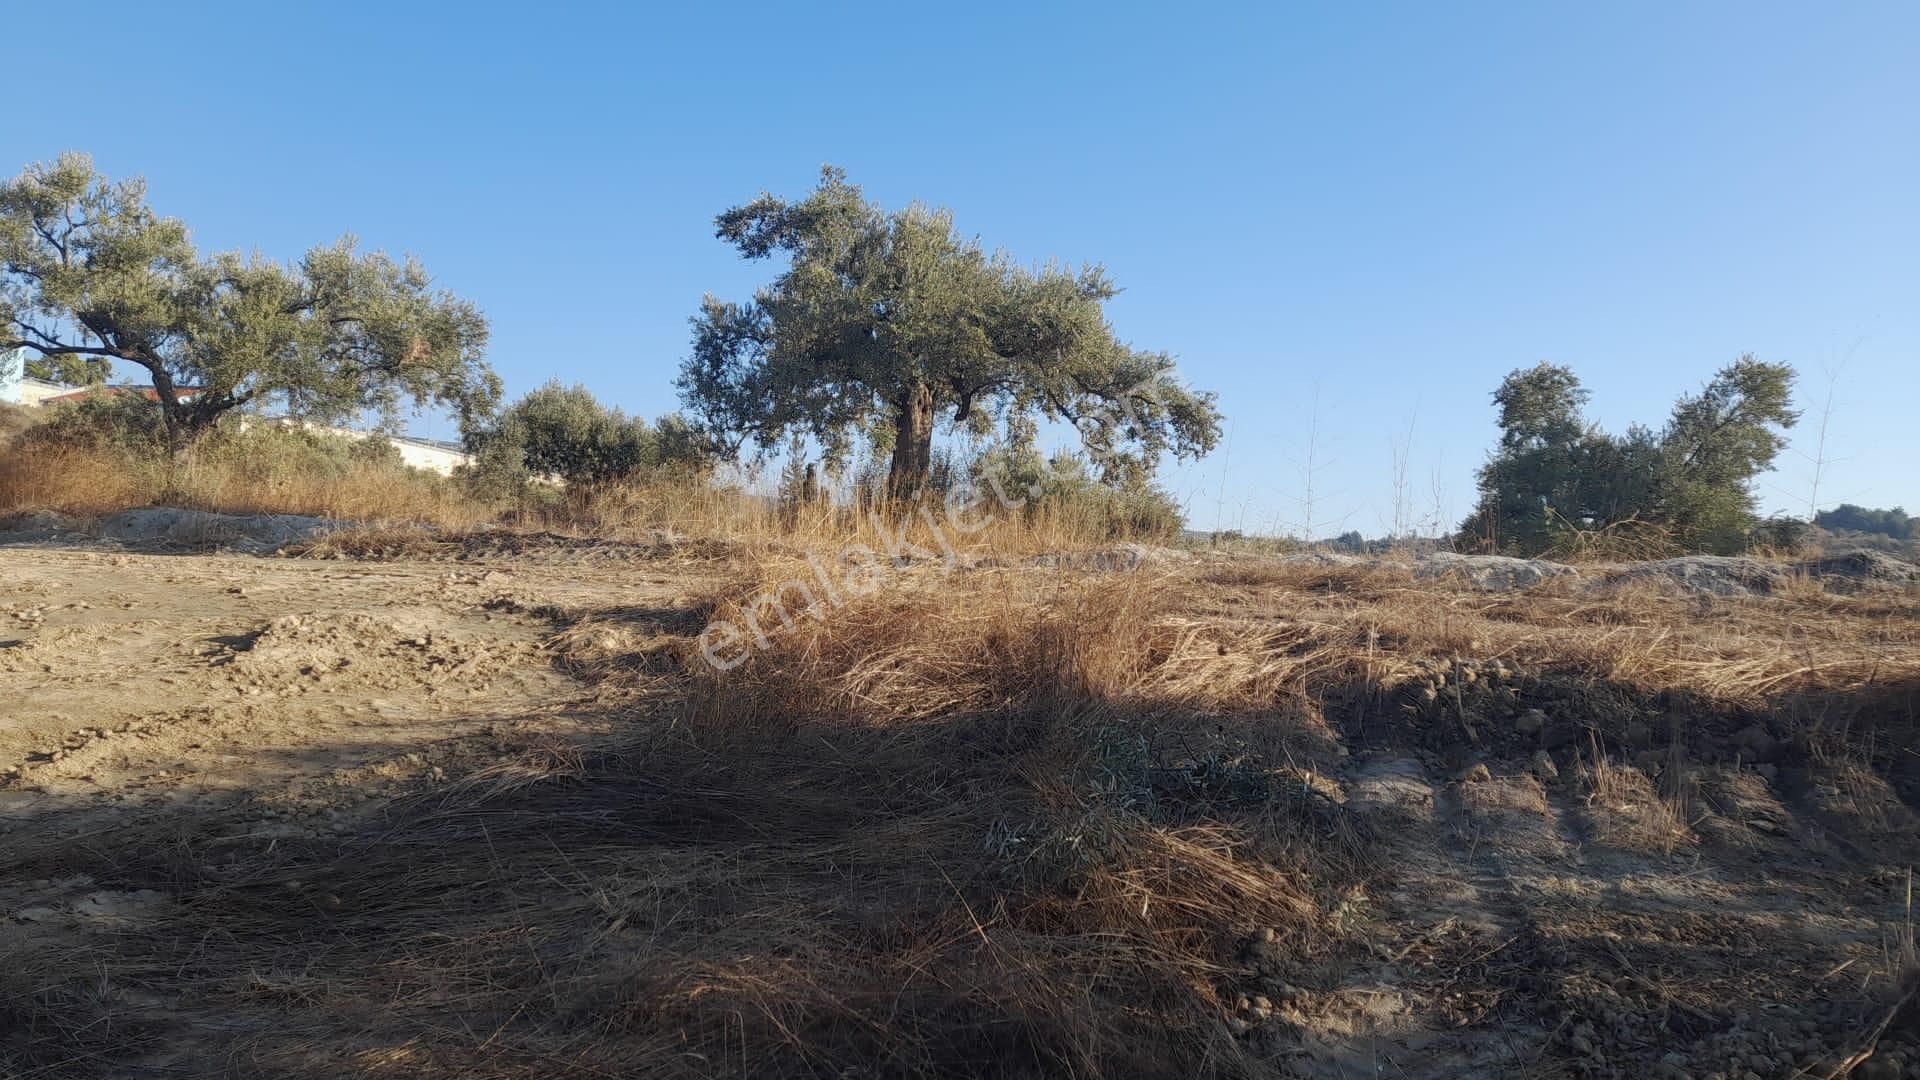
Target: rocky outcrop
point(1491, 573)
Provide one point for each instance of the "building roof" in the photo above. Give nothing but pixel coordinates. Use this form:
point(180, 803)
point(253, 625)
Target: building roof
point(436, 444)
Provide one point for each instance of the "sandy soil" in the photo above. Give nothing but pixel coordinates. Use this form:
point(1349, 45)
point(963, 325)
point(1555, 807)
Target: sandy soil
point(135, 679)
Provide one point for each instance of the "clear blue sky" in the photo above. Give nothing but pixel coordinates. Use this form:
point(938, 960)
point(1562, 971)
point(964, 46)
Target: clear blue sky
point(1381, 207)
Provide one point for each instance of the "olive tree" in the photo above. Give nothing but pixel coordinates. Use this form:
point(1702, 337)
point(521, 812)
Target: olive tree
point(884, 323)
point(566, 433)
point(91, 276)
point(1554, 473)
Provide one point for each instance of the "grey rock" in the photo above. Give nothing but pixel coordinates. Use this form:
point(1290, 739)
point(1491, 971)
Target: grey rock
point(1857, 568)
point(1490, 573)
point(1705, 575)
point(1119, 557)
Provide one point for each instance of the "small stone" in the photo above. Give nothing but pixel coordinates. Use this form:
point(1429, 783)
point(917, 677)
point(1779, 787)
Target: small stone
point(1238, 1026)
point(1581, 1045)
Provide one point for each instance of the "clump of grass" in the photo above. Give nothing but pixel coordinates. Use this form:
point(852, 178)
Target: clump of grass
point(1629, 540)
point(1627, 812)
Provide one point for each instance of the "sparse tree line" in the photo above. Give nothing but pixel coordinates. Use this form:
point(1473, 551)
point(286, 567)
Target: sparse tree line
point(1893, 524)
point(878, 328)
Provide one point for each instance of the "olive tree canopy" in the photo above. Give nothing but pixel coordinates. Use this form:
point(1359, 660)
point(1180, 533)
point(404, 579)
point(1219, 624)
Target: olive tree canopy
point(89, 273)
point(884, 323)
point(1554, 474)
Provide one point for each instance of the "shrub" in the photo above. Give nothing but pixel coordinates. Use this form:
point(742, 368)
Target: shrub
point(1061, 491)
point(125, 423)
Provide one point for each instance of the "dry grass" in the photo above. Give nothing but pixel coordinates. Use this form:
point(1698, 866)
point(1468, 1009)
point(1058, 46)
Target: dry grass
point(695, 506)
point(90, 482)
point(991, 821)
point(932, 838)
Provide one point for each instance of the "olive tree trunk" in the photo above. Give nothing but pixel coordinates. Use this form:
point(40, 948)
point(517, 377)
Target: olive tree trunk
point(912, 444)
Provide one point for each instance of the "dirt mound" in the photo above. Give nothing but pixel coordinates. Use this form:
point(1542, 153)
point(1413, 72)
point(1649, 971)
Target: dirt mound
point(294, 654)
point(37, 526)
point(169, 527)
point(424, 544)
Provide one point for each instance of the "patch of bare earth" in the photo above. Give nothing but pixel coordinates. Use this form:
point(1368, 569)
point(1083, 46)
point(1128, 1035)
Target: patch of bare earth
point(434, 807)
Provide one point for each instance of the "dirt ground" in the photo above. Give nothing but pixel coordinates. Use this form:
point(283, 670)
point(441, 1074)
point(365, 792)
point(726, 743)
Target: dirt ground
point(247, 684)
point(1539, 911)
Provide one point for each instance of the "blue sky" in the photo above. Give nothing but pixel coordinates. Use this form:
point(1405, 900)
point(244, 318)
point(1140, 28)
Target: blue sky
point(1377, 208)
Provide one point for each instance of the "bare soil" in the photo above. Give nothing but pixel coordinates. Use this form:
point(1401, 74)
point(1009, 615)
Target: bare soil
point(206, 759)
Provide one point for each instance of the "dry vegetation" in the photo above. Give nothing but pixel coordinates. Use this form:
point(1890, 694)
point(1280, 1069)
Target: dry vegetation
point(1001, 803)
point(274, 472)
point(1016, 820)
point(87, 482)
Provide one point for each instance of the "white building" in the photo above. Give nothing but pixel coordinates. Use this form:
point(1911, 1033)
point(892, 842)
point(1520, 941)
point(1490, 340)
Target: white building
point(431, 455)
point(17, 389)
point(32, 392)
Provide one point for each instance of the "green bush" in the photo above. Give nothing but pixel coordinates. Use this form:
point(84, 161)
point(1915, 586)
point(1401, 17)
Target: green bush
point(566, 434)
point(271, 450)
point(126, 423)
point(1062, 488)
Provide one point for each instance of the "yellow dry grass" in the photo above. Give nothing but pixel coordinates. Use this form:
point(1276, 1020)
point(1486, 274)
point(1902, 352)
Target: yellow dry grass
point(90, 481)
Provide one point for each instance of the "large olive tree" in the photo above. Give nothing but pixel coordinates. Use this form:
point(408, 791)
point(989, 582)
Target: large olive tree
point(883, 323)
point(88, 272)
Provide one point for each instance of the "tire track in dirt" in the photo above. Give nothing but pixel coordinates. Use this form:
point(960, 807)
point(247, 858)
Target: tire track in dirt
point(277, 691)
